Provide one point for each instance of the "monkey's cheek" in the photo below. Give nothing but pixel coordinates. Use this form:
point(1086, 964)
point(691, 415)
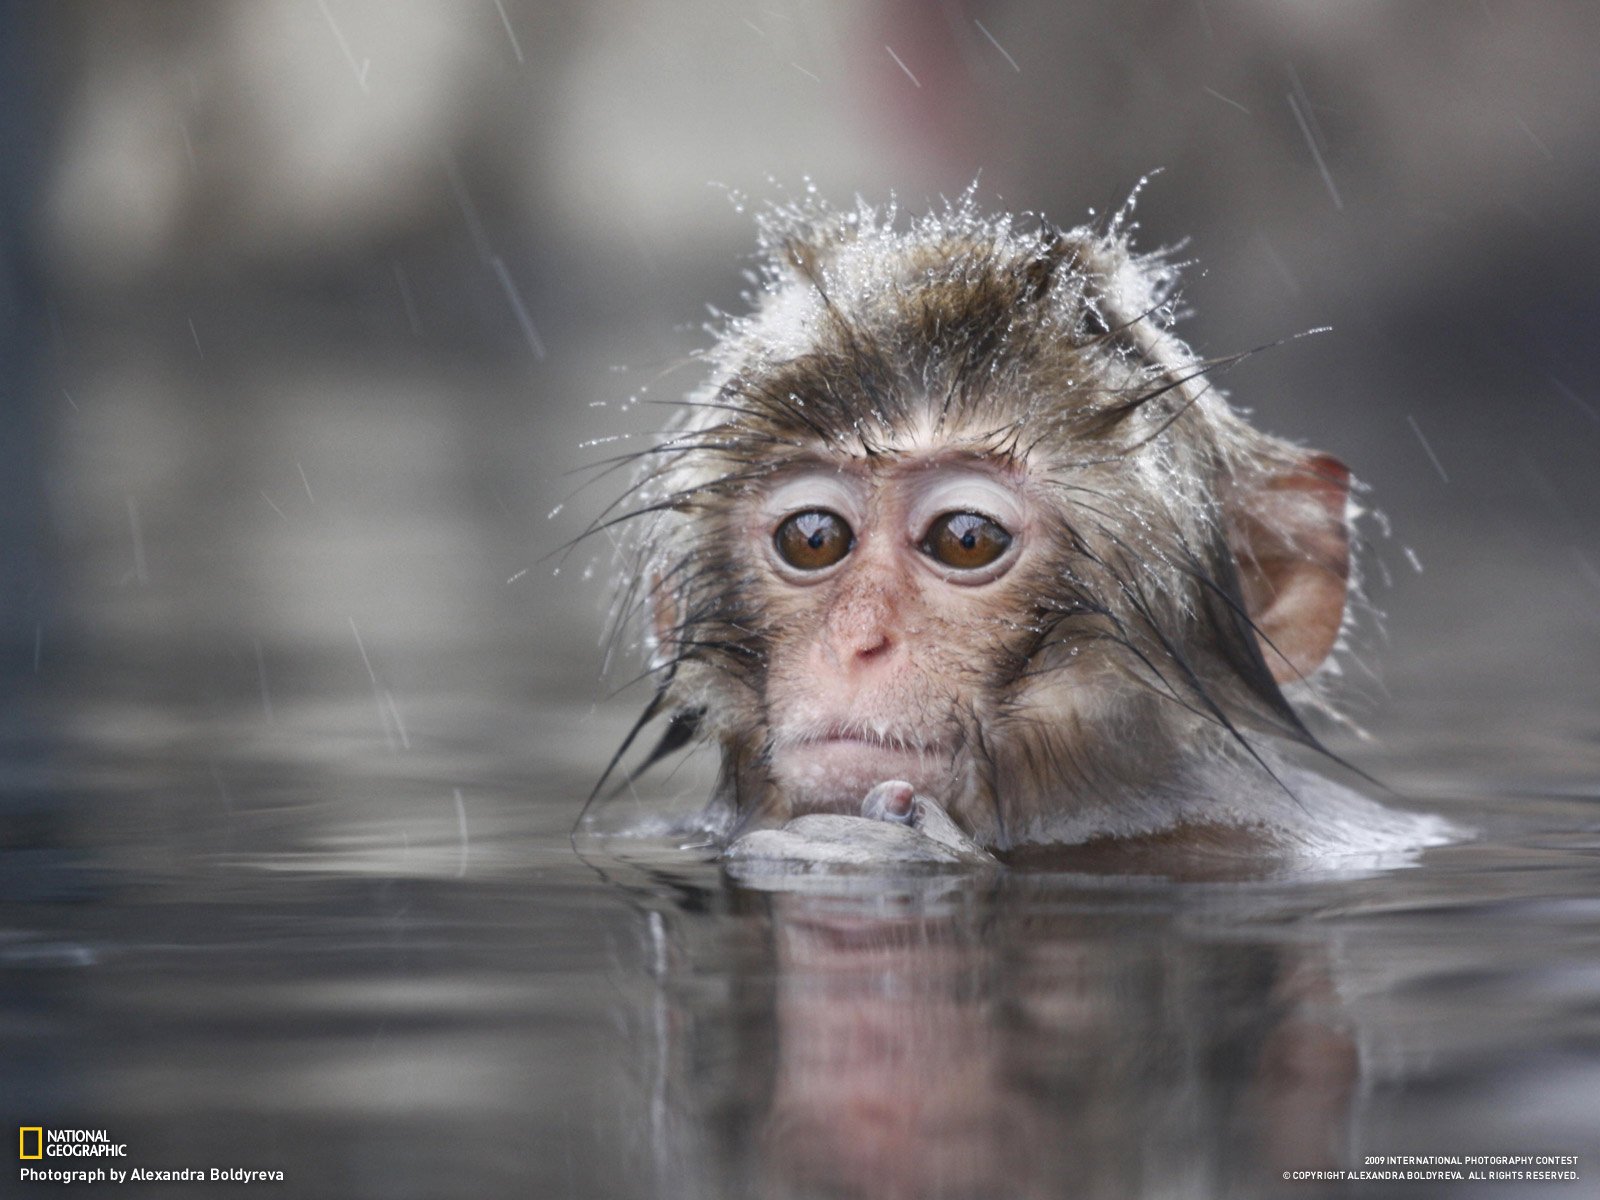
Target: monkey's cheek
point(833, 776)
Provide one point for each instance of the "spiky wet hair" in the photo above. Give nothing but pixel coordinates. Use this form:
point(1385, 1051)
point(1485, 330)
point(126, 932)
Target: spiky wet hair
point(1049, 350)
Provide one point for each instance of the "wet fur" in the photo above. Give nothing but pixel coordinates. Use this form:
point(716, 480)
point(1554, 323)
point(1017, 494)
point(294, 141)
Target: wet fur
point(1125, 657)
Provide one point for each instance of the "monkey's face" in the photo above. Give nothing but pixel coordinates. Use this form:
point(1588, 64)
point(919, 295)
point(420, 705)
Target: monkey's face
point(887, 590)
point(957, 509)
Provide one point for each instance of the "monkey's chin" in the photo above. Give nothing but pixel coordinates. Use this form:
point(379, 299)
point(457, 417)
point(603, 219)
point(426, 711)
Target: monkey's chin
point(833, 775)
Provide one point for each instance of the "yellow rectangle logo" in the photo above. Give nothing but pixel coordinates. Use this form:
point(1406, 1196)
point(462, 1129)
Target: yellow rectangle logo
point(38, 1141)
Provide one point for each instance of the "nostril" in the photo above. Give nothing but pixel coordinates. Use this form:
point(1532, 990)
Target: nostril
point(875, 649)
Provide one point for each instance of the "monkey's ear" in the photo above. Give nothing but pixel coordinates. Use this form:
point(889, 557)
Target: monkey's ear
point(1290, 536)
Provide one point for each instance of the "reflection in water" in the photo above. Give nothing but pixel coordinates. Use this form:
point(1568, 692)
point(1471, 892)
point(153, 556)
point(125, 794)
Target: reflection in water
point(948, 1041)
point(889, 1066)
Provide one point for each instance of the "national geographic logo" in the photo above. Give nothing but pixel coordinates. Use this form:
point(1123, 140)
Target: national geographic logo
point(35, 1141)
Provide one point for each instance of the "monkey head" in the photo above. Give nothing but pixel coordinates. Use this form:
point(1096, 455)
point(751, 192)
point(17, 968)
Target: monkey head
point(957, 507)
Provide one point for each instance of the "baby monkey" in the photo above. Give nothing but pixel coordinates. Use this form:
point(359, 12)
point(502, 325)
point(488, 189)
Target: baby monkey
point(958, 510)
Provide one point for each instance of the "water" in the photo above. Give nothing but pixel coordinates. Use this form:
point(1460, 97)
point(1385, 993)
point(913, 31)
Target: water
point(239, 942)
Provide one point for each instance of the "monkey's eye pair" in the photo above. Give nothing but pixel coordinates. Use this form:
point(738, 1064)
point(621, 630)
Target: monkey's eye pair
point(816, 538)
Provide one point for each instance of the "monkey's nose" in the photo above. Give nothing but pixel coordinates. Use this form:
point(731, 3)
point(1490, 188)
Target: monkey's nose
point(860, 655)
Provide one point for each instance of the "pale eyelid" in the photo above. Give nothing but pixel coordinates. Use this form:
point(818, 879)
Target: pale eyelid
point(830, 492)
point(969, 493)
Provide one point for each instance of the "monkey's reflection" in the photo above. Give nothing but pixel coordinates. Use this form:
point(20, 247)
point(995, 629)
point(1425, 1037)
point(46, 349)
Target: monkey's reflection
point(966, 1045)
point(890, 1073)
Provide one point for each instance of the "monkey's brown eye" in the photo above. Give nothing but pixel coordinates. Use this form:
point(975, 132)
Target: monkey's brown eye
point(965, 541)
point(813, 540)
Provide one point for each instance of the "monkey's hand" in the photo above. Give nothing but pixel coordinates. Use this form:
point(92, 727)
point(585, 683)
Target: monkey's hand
point(896, 827)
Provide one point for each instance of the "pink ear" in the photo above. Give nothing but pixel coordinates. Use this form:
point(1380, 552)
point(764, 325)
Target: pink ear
point(1289, 533)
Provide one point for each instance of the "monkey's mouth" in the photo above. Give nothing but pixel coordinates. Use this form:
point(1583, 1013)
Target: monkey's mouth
point(831, 767)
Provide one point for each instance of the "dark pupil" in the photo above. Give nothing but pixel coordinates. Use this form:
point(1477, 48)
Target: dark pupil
point(816, 539)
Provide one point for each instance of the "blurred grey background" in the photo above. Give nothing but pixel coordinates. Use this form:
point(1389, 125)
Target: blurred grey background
point(312, 306)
